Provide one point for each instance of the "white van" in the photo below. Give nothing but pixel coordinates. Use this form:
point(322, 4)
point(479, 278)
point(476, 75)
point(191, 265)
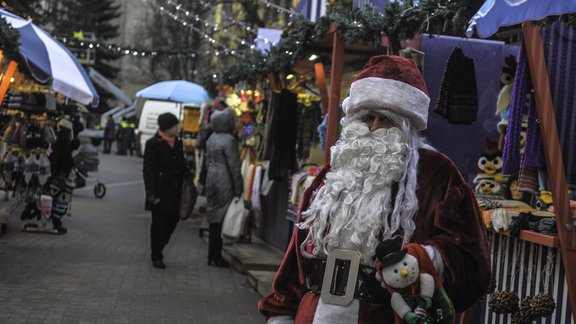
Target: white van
point(148, 119)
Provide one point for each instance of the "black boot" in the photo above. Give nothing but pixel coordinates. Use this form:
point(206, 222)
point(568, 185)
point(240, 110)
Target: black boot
point(219, 262)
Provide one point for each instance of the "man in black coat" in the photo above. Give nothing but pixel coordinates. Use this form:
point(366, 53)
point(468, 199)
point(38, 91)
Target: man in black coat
point(163, 173)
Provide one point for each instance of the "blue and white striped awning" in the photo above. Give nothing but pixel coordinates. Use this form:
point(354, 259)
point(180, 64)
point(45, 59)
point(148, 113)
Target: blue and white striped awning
point(51, 62)
point(500, 13)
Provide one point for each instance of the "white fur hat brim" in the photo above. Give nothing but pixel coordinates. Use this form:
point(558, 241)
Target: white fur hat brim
point(391, 95)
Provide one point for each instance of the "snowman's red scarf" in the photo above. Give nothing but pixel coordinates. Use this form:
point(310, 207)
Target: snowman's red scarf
point(426, 266)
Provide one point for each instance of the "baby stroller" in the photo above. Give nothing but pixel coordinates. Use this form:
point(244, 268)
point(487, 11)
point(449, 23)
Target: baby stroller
point(86, 160)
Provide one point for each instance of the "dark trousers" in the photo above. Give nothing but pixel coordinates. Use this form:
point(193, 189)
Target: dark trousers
point(215, 241)
point(163, 225)
point(120, 149)
point(108, 145)
point(128, 146)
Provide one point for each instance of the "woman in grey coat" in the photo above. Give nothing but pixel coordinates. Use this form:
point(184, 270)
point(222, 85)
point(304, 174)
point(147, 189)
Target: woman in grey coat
point(223, 179)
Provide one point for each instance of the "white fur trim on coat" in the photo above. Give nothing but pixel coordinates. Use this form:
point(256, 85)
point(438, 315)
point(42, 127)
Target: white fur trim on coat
point(391, 95)
point(336, 314)
point(283, 319)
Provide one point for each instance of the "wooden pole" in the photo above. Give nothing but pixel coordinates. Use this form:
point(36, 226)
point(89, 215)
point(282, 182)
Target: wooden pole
point(321, 83)
point(6, 79)
point(334, 99)
point(553, 155)
point(274, 84)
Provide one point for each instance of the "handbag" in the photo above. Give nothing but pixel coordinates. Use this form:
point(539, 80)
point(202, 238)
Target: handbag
point(233, 224)
point(188, 197)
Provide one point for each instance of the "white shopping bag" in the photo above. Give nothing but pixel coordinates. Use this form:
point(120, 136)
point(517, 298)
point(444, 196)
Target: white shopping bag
point(233, 224)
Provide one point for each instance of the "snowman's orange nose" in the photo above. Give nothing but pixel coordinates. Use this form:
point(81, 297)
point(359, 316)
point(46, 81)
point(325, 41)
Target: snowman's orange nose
point(404, 272)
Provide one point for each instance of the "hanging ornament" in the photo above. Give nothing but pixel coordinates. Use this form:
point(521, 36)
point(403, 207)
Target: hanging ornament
point(503, 302)
point(524, 313)
point(521, 316)
point(542, 305)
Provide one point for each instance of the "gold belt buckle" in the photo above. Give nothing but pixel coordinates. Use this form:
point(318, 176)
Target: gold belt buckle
point(339, 264)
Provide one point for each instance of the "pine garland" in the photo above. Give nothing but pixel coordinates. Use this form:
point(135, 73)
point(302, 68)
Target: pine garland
point(397, 21)
point(9, 40)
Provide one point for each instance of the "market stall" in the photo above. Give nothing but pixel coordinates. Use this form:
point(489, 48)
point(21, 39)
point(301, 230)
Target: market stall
point(543, 81)
point(40, 121)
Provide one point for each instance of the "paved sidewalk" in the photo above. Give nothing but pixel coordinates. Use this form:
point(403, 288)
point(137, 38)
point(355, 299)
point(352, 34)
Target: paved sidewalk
point(100, 272)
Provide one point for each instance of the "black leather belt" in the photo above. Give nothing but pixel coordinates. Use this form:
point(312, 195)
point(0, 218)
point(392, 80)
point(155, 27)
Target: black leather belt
point(367, 289)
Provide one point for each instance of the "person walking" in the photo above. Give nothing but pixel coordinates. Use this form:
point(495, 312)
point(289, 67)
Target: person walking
point(129, 137)
point(223, 179)
point(163, 173)
point(120, 133)
point(109, 134)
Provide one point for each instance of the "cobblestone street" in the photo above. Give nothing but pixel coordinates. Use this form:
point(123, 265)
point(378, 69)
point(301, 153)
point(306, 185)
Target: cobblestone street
point(100, 271)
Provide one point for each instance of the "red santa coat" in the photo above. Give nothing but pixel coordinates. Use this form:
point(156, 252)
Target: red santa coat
point(448, 219)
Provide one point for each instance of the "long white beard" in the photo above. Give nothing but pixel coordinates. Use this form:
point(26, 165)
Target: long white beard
point(355, 206)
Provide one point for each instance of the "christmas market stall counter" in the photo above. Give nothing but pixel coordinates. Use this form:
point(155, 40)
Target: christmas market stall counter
point(527, 268)
point(528, 281)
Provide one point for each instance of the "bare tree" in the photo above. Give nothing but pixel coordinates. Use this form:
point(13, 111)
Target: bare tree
point(192, 54)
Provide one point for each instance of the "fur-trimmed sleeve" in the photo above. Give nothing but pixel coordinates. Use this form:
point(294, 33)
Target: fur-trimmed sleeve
point(449, 219)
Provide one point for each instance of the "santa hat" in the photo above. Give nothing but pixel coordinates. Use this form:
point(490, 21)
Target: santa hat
point(393, 84)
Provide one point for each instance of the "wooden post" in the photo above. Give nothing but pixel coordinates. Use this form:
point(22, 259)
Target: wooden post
point(321, 83)
point(6, 79)
point(334, 99)
point(553, 155)
point(274, 82)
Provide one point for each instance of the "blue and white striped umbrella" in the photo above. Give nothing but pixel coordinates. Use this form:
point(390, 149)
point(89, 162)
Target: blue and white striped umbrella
point(51, 62)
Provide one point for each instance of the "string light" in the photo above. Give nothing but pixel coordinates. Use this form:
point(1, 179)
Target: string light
point(280, 9)
point(245, 26)
point(189, 26)
point(127, 50)
point(218, 50)
point(216, 27)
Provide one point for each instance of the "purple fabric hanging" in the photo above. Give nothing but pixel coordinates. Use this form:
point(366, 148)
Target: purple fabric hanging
point(533, 151)
point(560, 51)
point(511, 154)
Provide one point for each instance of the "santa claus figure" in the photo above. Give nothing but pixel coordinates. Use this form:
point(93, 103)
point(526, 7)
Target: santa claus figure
point(384, 182)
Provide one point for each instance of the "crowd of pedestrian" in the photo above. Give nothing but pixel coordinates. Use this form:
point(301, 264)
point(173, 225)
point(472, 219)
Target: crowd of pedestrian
point(164, 169)
point(123, 133)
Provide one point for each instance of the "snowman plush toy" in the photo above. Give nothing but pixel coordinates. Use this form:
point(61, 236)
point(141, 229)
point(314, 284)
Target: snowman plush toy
point(409, 276)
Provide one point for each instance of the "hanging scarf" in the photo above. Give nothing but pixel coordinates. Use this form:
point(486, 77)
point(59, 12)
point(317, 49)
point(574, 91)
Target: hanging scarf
point(171, 140)
point(511, 152)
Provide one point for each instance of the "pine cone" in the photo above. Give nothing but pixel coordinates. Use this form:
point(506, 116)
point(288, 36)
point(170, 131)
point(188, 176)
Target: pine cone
point(542, 305)
point(521, 317)
point(526, 308)
point(492, 285)
point(502, 302)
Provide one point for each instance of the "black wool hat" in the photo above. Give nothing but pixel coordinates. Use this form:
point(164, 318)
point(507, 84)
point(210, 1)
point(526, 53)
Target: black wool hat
point(389, 252)
point(167, 121)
